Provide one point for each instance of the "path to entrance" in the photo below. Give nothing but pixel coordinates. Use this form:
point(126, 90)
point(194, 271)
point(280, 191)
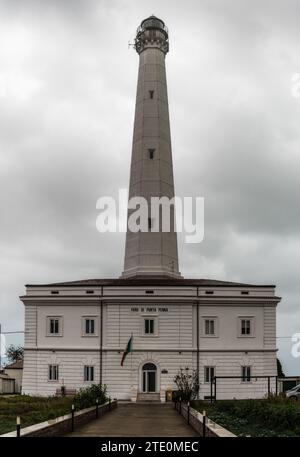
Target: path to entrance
point(138, 419)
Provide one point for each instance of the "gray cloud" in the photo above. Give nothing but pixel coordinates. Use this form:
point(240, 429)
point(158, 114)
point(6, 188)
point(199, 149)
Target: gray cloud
point(67, 89)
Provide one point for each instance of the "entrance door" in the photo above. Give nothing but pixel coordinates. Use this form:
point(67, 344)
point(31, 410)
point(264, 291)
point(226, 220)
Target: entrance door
point(149, 377)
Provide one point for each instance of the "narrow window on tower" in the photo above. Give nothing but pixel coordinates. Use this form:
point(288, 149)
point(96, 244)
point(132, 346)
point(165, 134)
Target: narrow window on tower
point(149, 223)
point(151, 93)
point(151, 153)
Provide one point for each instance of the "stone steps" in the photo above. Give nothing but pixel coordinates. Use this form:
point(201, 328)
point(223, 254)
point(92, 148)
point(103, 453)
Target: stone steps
point(148, 397)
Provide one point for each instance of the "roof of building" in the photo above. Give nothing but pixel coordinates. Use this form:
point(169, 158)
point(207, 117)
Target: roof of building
point(148, 281)
point(5, 376)
point(15, 365)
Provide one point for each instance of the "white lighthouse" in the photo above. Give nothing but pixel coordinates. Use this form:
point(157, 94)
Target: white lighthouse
point(152, 253)
point(76, 332)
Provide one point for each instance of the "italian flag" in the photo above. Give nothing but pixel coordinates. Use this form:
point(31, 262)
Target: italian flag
point(127, 350)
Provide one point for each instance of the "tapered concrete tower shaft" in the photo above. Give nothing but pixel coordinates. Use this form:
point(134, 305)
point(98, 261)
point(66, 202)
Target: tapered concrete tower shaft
point(151, 253)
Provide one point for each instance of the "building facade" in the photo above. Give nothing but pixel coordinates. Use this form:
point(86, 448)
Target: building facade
point(217, 328)
point(76, 332)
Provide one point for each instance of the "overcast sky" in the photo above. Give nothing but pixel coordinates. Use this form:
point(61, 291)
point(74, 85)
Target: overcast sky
point(67, 96)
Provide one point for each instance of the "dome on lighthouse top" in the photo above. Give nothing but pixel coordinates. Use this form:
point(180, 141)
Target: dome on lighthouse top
point(153, 22)
point(152, 33)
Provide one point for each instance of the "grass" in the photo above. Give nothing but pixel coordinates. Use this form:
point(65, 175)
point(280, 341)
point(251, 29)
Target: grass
point(267, 417)
point(33, 410)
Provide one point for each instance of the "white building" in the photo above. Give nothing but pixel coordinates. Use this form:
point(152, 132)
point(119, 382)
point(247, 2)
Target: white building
point(76, 332)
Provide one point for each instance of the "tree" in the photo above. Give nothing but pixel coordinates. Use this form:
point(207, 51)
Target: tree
point(15, 353)
point(280, 372)
point(187, 382)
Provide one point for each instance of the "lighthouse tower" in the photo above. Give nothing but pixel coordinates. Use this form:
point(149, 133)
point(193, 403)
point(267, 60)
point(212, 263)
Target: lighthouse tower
point(152, 252)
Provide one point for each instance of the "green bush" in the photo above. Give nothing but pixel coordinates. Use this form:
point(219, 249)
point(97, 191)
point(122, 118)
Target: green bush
point(187, 383)
point(88, 396)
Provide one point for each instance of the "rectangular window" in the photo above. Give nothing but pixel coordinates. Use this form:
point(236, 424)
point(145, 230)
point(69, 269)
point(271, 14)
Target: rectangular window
point(151, 93)
point(209, 374)
point(54, 326)
point(246, 327)
point(209, 326)
point(53, 373)
point(88, 373)
point(89, 326)
point(149, 326)
point(246, 374)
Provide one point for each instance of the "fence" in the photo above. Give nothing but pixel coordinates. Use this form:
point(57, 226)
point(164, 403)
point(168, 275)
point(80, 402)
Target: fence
point(64, 424)
point(204, 426)
point(247, 388)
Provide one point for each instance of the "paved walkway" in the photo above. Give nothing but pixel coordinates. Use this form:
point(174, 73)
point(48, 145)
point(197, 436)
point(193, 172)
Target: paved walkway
point(138, 420)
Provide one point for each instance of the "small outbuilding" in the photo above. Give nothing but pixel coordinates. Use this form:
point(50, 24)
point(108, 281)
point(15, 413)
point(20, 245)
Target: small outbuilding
point(15, 371)
point(7, 384)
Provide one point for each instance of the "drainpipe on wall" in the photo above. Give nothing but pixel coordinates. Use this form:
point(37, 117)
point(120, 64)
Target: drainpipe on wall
point(101, 334)
point(197, 326)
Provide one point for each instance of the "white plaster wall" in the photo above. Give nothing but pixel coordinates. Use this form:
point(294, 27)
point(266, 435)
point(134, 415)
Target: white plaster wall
point(229, 364)
point(174, 326)
point(71, 370)
point(228, 327)
point(72, 335)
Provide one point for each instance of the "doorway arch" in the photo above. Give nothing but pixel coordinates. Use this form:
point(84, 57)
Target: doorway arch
point(149, 381)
